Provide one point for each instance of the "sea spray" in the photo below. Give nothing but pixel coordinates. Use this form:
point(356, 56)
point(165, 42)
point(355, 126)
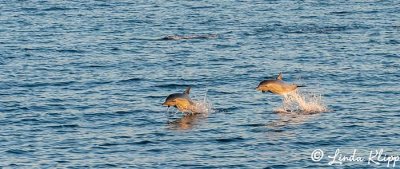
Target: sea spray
point(203, 105)
point(302, 102)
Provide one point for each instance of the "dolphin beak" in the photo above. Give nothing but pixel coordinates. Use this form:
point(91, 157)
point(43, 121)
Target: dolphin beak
point(165, 104)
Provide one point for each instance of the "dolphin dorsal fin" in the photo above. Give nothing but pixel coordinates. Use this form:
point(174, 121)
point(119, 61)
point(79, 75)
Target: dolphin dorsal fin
point(187, 91)
point(279, 76)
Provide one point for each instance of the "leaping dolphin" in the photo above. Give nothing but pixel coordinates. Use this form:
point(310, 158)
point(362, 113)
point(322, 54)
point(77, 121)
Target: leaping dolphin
point(277, 86)
point(181, 101)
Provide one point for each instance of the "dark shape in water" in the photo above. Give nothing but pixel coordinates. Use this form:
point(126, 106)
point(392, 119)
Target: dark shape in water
point(185, 37)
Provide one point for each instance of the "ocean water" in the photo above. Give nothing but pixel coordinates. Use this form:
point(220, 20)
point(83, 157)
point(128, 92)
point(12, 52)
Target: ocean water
point(82, 82)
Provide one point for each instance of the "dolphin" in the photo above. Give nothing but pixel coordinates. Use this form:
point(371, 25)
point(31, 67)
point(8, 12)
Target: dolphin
point(180, 37)
point(181, 101)
point(277, 86)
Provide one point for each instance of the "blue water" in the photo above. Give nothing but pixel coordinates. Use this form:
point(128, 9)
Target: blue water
point(82, 82)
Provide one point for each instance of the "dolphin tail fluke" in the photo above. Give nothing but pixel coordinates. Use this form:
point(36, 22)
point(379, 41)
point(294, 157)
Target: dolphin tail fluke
point(187, 91)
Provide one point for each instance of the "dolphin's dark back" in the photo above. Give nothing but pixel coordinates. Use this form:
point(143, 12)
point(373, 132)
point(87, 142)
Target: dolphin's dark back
point(265, 82)
point(176, 95)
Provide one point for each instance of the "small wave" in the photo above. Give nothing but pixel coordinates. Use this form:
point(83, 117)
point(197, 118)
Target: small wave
point(109, 144)
point(121, 137)
point(187, 37)
point(227, 140)
point(17, 151)
point(57, 9)
point(64, 126)
point(104, 166)
point(143, 142)
point(171, 86)
point(40, 84)
point(122, 112)
point(253, 125)
point(342, 13)
point(299, 102)
point(393, 42)
point(310, 28)
point(70, 51)
point(130, 80)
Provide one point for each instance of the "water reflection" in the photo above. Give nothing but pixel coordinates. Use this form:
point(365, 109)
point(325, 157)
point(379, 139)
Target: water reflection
point(291, 118)
point(186, 122)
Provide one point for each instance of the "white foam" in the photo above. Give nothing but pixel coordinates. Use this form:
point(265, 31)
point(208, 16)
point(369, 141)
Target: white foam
point(302, 102)
point(203, 105)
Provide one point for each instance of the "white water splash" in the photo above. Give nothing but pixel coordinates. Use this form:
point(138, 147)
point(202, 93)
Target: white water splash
point(301, 102)
point(203, 106)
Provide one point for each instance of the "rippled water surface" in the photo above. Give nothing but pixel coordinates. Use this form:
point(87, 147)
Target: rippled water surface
point(82, 82)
